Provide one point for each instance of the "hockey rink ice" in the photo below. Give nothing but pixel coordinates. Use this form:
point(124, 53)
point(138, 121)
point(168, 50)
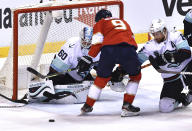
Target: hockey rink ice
point(105, 115)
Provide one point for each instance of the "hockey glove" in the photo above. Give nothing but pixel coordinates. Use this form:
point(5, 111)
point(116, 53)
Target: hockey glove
point(169, 56)
point(117, 75)
point(159, 59)
point(153, 62)
point(84, 64)
point(177, 56)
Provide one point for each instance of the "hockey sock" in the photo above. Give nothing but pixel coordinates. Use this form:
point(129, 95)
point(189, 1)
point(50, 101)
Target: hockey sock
point(128, 98)
point(90, 101)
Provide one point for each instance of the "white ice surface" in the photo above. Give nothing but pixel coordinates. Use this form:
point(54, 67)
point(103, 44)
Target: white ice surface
point(106, 113)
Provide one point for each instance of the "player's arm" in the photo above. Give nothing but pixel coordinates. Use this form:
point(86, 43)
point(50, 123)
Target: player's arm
point(97, 39)
point(147, 53)
point(183, 51)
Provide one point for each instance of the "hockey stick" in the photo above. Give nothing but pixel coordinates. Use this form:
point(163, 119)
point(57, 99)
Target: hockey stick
point(15, 103)
point(174, 72)
point(38, 74)
point(147, 65)
point(169, 72)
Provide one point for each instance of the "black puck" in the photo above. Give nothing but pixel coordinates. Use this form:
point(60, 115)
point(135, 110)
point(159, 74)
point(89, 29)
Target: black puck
point(51, 120)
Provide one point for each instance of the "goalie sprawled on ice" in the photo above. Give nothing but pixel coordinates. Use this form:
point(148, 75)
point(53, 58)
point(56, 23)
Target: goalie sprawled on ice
point(68, 87)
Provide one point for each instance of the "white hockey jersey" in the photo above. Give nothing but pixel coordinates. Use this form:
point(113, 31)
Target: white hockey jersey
point(188, 16)
point(69, 55)
point(174, 41)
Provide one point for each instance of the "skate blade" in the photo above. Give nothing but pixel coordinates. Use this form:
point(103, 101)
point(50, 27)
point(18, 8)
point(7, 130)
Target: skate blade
point(126, 113)
point(83, 113)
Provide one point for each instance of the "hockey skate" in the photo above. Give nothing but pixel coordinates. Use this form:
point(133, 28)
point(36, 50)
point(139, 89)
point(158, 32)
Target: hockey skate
point(186, 99)
point(189, 97)
point(86, 109)
point(129, 110)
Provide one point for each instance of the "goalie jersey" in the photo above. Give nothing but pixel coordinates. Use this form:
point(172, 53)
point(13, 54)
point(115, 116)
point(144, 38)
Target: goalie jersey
point(69, 55)
point(173, 43)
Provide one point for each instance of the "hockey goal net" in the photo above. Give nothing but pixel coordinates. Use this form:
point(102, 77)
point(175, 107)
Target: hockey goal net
point(38, 33)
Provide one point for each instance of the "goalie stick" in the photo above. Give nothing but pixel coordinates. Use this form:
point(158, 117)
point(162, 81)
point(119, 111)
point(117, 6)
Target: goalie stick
point(14, 103)
point(38, 74)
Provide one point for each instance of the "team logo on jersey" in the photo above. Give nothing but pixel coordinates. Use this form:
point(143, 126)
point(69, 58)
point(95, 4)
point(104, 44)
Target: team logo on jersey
point(71, 45)
point(172, 61)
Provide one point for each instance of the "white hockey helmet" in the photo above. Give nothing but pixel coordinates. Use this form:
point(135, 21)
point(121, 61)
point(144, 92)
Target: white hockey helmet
point(86, 37)
point(157, 25)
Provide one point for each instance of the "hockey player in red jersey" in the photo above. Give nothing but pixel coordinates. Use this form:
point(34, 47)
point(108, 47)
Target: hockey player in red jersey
point(114, 38)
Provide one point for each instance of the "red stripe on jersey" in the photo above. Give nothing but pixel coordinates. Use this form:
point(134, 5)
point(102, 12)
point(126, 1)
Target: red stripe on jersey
point(94, 50)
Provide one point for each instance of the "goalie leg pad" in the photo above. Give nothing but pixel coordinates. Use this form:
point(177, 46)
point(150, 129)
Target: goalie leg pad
point(167, 104)
point(80, 90)
point(37, 90)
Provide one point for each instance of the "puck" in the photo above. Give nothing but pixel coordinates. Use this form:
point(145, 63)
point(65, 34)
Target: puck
point(51, 120)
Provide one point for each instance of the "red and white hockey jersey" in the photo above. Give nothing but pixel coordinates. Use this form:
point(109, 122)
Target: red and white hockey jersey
point(110, 31)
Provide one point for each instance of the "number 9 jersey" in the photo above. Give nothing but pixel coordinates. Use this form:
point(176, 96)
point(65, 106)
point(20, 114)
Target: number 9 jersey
point(111, 31)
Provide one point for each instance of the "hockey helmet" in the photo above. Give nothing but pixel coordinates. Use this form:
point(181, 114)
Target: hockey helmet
point(86, 37)
point(157, 25)
point(102, 14)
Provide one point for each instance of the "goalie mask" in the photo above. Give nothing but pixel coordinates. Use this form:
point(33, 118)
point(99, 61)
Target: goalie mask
point(86, 37)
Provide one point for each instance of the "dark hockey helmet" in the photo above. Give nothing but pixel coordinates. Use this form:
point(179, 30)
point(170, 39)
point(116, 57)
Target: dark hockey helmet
point(102, 14)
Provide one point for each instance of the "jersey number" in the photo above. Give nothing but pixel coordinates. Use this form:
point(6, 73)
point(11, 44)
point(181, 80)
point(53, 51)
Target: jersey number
point(119, 24)
point(62, 54)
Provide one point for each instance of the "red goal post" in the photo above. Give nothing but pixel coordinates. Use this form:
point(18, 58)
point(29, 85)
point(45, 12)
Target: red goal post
point(50, 7)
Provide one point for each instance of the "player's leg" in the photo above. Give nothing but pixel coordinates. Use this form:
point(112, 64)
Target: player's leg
point(104, 70)
point(129, 62)
point(188, 82)
point(171, 95)
point(188, 32)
